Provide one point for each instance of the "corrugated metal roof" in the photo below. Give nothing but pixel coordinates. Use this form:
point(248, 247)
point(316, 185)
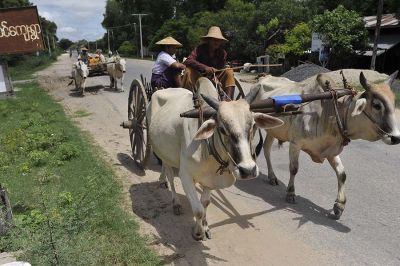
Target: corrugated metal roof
point(388, 21)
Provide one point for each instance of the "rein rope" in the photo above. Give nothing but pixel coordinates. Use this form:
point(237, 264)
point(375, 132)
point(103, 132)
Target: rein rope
point(342, 124)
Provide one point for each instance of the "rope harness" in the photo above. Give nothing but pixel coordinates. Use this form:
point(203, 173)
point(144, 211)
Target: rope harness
point(223, 164)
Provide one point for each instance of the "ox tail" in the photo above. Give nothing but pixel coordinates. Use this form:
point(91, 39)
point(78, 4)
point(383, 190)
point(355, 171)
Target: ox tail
point(260, 143)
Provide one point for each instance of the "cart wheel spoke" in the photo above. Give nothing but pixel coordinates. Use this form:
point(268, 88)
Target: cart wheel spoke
point(137, 104)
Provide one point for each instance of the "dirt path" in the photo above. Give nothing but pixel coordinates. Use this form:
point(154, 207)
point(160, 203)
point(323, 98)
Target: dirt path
point(241, 236)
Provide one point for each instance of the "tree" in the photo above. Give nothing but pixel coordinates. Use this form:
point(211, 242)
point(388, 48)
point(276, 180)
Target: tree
point(65, 44)
point(127, 49)
point(297, 41)
point(341, 29)
point(14, 3)
point(377, 32)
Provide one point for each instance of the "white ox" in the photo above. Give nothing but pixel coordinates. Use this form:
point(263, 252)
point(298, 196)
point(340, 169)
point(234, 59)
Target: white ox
point(116, 68)
point(181, 144)
point(79, 74)
point(316, 132)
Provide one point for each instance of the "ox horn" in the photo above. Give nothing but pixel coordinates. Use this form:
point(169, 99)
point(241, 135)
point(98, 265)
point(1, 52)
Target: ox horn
point(251, 95)
point(211, 101)
point(391, 78)
point(364, 81)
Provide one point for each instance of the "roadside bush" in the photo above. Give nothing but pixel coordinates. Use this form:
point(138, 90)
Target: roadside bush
point(127, 49)
point(38, 158)
point(67, 151)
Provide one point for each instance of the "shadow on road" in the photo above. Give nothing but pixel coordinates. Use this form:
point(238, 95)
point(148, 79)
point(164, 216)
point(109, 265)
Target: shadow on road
point(154, 205)
point(306, 210)
point(130, 164)
point(90, 89)
point(127, 161)
point(109, 89)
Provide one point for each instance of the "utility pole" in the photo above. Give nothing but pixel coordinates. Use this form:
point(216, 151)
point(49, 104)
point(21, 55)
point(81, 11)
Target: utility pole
point(108, 37)
point(140, 29)
point(377, 32)
point(137, 50)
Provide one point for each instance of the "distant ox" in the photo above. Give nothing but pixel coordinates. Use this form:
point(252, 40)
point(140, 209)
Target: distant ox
point(181, 144)
point(79, 73)
point(116, 68)
point(370, 115)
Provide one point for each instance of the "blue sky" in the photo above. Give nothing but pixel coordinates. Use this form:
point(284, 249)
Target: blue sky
point(75, 19)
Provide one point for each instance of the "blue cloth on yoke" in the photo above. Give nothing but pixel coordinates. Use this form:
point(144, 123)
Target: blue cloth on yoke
point(286, 99)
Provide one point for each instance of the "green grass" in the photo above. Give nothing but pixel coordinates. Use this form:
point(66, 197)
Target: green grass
point(66, 201)
point(25, 68)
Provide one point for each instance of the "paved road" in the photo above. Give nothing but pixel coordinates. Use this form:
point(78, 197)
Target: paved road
point(368, 232)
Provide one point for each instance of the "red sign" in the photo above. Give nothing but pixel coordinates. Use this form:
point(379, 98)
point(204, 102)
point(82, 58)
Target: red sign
point(20, 30)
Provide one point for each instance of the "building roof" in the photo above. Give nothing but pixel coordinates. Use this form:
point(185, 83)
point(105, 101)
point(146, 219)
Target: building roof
point(388, 21)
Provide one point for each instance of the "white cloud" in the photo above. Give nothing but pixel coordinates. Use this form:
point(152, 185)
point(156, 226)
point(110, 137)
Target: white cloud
point(46, 14)
point(75, 19)
point(67, 29)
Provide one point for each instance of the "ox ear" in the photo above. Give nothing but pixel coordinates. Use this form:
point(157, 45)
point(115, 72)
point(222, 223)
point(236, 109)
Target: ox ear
point(266, 121)
point(206, 130)
point(390, 79)
point(360, 106)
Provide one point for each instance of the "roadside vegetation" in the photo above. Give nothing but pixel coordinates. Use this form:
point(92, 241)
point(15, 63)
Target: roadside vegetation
point(66, 201)
point(24, 67)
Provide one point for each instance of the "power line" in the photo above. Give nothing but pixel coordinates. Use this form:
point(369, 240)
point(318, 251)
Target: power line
point(116, 27)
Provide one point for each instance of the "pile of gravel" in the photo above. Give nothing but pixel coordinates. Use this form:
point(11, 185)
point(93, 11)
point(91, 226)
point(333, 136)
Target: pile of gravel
point(304, 71)
point(309, 71)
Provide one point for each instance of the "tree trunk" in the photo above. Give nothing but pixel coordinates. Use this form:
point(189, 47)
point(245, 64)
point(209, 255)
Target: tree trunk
point(377, 31)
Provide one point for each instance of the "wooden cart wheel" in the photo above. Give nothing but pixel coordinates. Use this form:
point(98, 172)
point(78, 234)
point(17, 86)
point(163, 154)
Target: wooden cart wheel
point(138, 132)
point(240, 89)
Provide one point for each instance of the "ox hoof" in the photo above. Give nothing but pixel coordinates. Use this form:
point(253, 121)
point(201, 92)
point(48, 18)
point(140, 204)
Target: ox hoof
point(290, 198)
point(208, 233)
point(337, 211)
point(198, 236)
point(273, 181)
point(177, 209)
point(120, 90)
point(164, 185)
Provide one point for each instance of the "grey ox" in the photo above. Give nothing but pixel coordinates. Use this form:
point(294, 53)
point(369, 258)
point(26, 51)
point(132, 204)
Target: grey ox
point(370, 115)
point(180, 143)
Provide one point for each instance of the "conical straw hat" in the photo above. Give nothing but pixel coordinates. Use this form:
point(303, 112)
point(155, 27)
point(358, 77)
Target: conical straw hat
point(169, 41)
point(214, 32)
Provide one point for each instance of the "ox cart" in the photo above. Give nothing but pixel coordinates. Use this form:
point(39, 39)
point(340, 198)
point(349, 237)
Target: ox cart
point(96, 67)
point(140, 94)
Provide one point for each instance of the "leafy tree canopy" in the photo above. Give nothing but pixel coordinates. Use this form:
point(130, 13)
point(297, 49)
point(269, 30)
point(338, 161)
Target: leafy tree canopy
point(342, 29)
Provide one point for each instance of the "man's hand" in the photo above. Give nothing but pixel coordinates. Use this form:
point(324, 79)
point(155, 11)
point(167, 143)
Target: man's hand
point(181, 66)
point(178, 66)
point(210, 70)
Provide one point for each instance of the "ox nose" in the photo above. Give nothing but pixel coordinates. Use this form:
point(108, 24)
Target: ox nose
point(395, 139)
point(124, 71)
point(247, 172)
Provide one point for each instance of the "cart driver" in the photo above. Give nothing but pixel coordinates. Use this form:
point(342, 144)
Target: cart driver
point(84, 55)
point(99, 53)
point(166, 72)
point(206, 59)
